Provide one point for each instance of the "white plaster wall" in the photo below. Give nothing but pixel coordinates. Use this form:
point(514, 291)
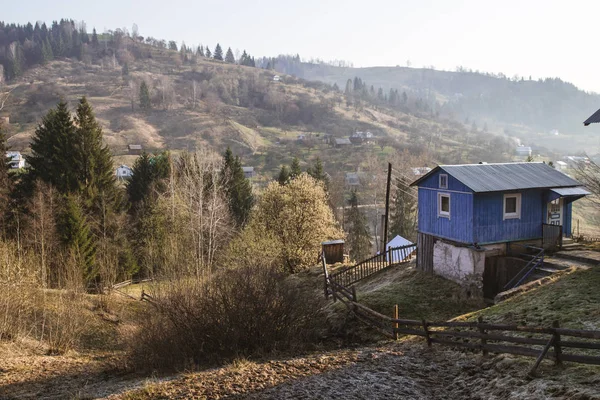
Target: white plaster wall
point(459, 264)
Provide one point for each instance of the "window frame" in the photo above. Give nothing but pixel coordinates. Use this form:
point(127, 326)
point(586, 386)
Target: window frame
point(440, 181)
point(517, 213)
point(444, 214)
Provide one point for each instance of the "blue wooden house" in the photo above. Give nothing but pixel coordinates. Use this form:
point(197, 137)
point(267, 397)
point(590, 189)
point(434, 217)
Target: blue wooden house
point(469, 211)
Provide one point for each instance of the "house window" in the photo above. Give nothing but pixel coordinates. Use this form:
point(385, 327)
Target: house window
point(512, 206)
point(444, 205)
point(443, 181)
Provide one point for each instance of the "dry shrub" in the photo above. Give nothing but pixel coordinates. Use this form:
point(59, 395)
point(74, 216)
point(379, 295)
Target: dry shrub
point(240, 312)
point(57, 318)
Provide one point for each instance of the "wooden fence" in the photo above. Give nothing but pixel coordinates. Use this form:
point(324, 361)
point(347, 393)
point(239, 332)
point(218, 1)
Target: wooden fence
point(355, 273)
point(480, 335)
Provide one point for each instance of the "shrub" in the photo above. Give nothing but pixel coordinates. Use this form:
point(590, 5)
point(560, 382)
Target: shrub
point(245, 312)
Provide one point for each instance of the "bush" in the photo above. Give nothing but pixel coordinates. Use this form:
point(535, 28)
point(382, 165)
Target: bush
point(240, 312)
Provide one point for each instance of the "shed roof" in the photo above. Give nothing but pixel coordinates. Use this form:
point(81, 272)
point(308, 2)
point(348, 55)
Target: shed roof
point(135, 146)
point(505, 176)
point(342, 141)
point(595, 117)
point(248, 169)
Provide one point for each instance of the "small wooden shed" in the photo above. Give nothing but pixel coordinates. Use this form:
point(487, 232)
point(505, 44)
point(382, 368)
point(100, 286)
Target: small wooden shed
point(334, 251)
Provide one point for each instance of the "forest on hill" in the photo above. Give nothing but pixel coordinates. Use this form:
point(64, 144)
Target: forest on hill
point(517, 103)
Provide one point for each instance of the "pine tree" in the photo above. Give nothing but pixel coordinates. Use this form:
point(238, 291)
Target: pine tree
point(403, 213)
point(359, 237)
point(295, 169)
point(218, 55)
point(148, 173)
point(145, 103)
point(200, 51)
point(76, 236)
point(208, 53)
point(237, 188)
point(94, 39)
point(284, 175)
point(93, 160)
point(52, 149)
point(318, 173)
point(229, 58)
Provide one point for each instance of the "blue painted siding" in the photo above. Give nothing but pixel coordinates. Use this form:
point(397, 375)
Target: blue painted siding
point(567, 218)
point(489, 226)
point(433, 182)
point(459, 227)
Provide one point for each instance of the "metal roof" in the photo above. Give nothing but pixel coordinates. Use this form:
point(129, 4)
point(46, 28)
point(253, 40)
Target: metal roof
point(342, 141)
point(594, 118)
point(571, 191)
point(506, 176)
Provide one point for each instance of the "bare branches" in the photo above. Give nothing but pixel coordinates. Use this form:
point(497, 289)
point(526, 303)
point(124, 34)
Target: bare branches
point(589, 174)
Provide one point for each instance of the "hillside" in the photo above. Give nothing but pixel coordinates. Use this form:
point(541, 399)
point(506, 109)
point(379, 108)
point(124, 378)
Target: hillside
point(528, 109)
point(208, 103)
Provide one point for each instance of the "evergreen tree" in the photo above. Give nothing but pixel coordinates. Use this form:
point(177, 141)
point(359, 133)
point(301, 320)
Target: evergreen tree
point(94, 39)
point(76, 236)
point(237, 188)
point(52, 151)
point(125, 70)
point(218, 55)
point(295, 170)
point(284, 175)
point(149, 173)
point(200, 51)
point(404, 211)
point(229, 58)
point(208, 53)
point(359, 237)
point(145, 103)
point(318, 173)
point(93, 161)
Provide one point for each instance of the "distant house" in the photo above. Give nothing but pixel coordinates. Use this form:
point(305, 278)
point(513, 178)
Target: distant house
point(123, 172)
point(398, 241)
point(420, 171)
point(574, 161)
point(17, 161)
point(560, 165)
point(352, 179)
point(523, 151)
point(276, 78)
point(469, 213)
point(135, 149)
point(301, 137)
point(361, 137)
point(248, 172)
point(341, 142)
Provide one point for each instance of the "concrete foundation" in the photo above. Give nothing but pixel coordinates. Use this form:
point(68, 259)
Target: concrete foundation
point(463, 265)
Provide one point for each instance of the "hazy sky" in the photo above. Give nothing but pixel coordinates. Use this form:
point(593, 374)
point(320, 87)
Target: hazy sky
point(527, 37)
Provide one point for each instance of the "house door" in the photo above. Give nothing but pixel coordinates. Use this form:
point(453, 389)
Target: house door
point(555, 212)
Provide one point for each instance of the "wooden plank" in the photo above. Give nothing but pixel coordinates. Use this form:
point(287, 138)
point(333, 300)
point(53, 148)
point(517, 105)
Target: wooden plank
point(453, 343)
point(517, 350)
point(594, 360)
point(408, 331)
point(541, 356)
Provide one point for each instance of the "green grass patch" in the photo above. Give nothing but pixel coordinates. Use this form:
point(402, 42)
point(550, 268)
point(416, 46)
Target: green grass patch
point(418, 295)
point(572, 298)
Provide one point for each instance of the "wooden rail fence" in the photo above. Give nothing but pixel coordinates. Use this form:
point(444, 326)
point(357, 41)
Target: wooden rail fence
point(355, 273)
point(480, 335)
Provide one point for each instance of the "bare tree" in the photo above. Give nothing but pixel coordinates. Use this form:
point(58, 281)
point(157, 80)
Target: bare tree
point(195, 92)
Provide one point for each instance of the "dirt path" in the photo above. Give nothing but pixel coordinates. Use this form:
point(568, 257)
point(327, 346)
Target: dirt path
point(404, 370)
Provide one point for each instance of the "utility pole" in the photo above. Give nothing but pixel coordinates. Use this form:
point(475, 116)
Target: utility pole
point(387, 207)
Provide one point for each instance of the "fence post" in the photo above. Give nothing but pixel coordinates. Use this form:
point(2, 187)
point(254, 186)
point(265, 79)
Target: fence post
point(325, 274)
point(483, 340)
point(557, 347)
point(396, 325)
point(426, 332)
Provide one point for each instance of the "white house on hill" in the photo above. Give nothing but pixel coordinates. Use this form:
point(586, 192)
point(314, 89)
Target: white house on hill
point(124, 172)
point(17, 161)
